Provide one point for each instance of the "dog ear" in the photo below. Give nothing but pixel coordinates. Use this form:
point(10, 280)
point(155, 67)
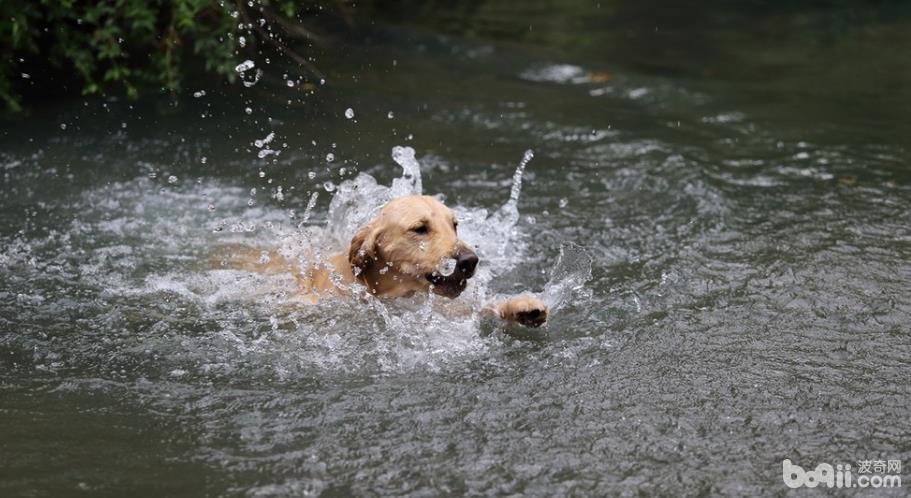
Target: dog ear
point(363, 251)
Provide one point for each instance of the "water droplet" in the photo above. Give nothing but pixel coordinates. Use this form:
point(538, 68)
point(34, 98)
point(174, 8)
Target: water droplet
point(211, 207)
point(253, 192)
point(390, 115)
point(203, 159)
point(245, 66)
point(349, 113)
point(242, 42)
point(248, 110)
point(311, 175)
point(172, 179)
point(330, 157)
point(201, 93)
point(256, 76)
point(329, 186)
point(260, 143)
point(446, 266)
point(262, 174)
point(309, 209)
point(62, 126)
point(290, 83)
point(563, 202)
point(409, 137)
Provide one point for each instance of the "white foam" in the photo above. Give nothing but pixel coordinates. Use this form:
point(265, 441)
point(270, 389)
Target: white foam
point(556, 73)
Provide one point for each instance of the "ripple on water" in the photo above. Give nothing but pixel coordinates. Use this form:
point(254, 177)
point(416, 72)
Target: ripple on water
point(744, 305)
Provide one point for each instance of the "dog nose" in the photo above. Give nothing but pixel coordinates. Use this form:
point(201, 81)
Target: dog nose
point(467, 261)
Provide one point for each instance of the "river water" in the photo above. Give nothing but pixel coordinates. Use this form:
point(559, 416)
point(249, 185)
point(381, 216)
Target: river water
point(739, 178)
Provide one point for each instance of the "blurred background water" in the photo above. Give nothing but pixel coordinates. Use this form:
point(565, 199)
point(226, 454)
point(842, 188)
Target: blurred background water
point(737, 170)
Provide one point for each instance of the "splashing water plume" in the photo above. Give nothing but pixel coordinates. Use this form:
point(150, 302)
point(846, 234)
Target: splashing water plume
point(255, 322)
point(571, 271)
point(410, 182)
point(419, 331)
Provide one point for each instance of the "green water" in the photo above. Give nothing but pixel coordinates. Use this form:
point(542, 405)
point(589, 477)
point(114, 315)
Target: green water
point(739, 174)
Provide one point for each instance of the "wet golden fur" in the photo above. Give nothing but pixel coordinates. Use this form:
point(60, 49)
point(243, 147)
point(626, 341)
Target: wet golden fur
point(394, 255)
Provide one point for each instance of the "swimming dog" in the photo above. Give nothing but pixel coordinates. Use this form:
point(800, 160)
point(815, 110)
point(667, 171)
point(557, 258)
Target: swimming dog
point(396, 254)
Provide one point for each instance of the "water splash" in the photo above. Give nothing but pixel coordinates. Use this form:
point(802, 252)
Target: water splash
point(226, 320)
point(308, 211)
point(446, 267)
point(410, 182)
point(508, 215)
point(355, 203)
point(517, 178)
point(572, 270)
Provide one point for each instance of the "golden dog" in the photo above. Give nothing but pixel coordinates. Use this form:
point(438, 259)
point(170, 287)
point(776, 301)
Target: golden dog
point(396, 254)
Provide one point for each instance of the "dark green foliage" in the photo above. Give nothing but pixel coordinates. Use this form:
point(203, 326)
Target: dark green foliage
point(120, 46)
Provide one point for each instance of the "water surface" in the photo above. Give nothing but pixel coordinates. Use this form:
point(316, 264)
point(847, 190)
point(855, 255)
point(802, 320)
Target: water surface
point(739, 176)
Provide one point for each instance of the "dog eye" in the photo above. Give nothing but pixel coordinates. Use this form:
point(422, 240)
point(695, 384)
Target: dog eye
point(455, 225)
point(420, 229)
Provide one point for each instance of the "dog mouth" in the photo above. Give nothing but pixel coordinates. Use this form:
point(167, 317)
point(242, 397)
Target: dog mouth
point(448, 286)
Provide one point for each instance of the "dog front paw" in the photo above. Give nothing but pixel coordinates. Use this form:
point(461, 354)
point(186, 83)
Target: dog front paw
point(525, 310)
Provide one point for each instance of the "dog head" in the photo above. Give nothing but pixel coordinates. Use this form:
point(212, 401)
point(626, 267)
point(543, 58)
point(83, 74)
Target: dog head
point(410, 246)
